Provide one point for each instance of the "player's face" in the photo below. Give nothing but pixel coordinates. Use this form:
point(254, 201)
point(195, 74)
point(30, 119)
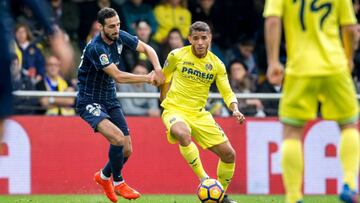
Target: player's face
point(200, 42)
point(111, 28)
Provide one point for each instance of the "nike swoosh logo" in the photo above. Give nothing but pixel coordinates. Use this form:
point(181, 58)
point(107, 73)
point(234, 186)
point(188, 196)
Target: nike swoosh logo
point(192, 162)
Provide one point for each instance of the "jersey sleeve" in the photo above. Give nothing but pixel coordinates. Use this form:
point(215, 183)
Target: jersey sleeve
point(129, 40)
point(100, 57)
point(222, 83)
point(169, 66)
point(346, 13)
point(273, 8)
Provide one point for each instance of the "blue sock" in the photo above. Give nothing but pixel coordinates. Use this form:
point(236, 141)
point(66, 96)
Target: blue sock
point(116, 157)
point(107, 169)
point(125, 160)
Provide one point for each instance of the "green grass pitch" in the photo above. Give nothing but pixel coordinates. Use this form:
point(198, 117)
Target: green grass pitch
point(153, 199)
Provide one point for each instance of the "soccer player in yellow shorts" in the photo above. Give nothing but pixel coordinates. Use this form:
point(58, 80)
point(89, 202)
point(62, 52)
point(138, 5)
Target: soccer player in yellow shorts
point(318, 70)
point(189, 72)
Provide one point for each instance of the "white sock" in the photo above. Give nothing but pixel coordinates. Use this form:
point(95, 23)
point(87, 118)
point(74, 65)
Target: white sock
point(116, 183)
point(103, 176)
point(204, 178)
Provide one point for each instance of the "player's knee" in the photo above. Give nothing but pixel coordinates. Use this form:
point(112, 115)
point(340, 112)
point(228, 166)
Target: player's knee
point(182, 135)
point(184, 138)
point(229, 156)
point(117, 141)
point(185, 141)
point(127, 152)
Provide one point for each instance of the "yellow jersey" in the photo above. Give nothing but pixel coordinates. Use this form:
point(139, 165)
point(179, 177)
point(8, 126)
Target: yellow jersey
point(313, 42)
point(191, 78)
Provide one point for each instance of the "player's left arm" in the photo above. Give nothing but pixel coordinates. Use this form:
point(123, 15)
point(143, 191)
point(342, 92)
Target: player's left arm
point(273, 12)
point(154, 59)
point(350, 37)
point(349, 29)
point(222, 83)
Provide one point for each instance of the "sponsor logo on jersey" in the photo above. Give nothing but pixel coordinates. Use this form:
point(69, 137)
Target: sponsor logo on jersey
point(188, 63)
point(197, 73)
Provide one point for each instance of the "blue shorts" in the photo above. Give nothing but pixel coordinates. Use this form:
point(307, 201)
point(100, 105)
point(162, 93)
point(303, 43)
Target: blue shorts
point(94, 113)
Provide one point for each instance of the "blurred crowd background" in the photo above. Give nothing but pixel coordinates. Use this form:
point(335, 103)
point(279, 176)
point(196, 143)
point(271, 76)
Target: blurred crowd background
point(237, 30)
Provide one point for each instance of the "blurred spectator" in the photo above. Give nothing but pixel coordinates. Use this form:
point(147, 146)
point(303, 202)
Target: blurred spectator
point(27, 17)
point(143, 32)
point(217, 108)
point(95, 29)
point(217, 51)
point(134, 11)
point(171, 14)
point(87, 9)
point(173, 41)
point(66, 15)
point(32, 58)
point(273, 85)
point(138, 106)
point(52, 81)
point(241, 82)
point(20, 81)
point(243, 50)
point(207, 11)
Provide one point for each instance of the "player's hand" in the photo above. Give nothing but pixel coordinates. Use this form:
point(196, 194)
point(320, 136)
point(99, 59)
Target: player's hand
point(239, 116)
point(159, 78)
point(151, 77)
point(274, 71)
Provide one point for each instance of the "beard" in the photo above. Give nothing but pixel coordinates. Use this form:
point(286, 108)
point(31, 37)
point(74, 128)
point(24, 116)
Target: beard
point(111, 37)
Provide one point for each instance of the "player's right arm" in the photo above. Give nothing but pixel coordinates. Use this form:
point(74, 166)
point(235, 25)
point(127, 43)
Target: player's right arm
point(168, 70)
point(349, 29)
point(125, 77)
point(273, 12)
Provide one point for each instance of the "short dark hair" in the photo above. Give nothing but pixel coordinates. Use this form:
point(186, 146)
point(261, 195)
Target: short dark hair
point(234, 61)
point(200, 26)
point(105, 13)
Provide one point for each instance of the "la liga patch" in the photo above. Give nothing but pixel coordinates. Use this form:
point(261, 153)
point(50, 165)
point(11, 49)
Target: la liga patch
point(104, 59)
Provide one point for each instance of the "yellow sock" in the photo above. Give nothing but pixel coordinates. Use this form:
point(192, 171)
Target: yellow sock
point(349, 155)
point(191, 155)
point(292, 165)
point(225, 172)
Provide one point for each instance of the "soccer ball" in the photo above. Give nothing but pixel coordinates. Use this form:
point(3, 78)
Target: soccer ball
point(210, 191)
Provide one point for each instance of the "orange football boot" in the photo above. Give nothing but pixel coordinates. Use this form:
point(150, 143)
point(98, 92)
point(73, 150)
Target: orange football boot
point(107, 187)
point(126, 191)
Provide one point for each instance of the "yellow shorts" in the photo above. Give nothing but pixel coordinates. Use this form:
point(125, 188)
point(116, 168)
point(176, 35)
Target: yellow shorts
point(206, 132)
point(302, 95)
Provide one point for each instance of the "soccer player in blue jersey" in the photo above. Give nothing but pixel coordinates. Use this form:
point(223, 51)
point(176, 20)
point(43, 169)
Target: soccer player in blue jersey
point(97, 103)
point(60, 47)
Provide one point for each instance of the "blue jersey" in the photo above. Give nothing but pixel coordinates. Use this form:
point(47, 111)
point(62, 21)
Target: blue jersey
point(93, 83)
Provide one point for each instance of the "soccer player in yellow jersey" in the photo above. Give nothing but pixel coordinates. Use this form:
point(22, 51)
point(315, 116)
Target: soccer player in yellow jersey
point(189, 72)
point(317, 71)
